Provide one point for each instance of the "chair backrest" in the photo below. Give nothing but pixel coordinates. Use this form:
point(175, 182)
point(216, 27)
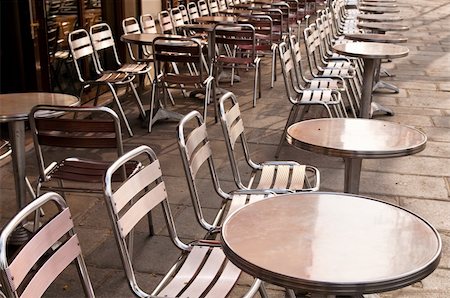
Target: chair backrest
point(70, 132)
point(287, 68)
point(52, 41)
point(33, 269)
point(130, 201)
point(263, 25)
point(230, 3)
point(312, 44)
point(177, 19)
point(233, 129)
point(185, 52)
point(213, 7)
point(222, 5)
point(192, 11)
point(203, 8)
point(294, 47)
point(148, 24)
point(184, 14)
point(278, 22)
point(103, 43)
point(131, 26)
point(235, 35)
point(195, 150)
point(165, 22)
point(82, 50)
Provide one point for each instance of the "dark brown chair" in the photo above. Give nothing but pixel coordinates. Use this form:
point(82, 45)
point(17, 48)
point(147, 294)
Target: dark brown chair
point(232, 37)
point(93, 128)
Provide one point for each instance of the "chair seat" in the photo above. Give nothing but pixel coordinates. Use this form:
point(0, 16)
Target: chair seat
point(134, 68)
point(89, 171)
point(282, 177)
point(319, 83)
point(114, 78)
point(317, 96)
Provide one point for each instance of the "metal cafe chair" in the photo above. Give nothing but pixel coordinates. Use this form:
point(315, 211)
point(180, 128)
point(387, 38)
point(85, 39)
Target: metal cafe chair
point(231, 37)
point(188, 55)
point(195, 150)
point(329, 99)
point(64, 145)
point(203, 8)
point(147, 24)
point(82, 50)
point(131, 26)
point(51, 249)
point(273, 175)
point(320, 81)
point(202, 269)
point(193, 11)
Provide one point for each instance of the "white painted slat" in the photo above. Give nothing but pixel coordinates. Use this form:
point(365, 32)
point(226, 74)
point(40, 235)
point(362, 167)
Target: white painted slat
point(196, 137)
point(141, 208)
point(199, 158)
point(206, 275)
point(135, 184)
point(298, 177)
point(225, 282)
point(39, 244)
point(282, 176)
point(267, 174)
point(235, 132)
point(52, 268)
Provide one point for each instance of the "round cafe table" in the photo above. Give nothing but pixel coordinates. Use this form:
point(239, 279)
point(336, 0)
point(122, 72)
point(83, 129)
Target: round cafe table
point(331, 244)
point(376, 9)
point(14, 109)
point(382, 27)
point(354, 140)
point(371, 53)
point(384, 38)
point(216, 19)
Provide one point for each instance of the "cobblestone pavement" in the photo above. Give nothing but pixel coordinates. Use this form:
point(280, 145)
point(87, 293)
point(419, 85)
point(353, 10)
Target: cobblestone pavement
point(420, 182)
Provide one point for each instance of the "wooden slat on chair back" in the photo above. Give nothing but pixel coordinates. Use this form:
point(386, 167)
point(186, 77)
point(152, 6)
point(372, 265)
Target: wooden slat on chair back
point(177, 51)
point(76, 133)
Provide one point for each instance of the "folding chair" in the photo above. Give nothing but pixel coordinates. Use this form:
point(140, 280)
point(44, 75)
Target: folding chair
point(231, 37)
point(272, 175)
point(195, 150)
point(187, 54)
point(94, 128)
point(202, 270)
point(52, 249)
point(131, 26)
point(329, 99)
point(82, 50)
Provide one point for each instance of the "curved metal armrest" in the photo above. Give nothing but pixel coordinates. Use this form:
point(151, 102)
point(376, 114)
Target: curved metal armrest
point(208, 80)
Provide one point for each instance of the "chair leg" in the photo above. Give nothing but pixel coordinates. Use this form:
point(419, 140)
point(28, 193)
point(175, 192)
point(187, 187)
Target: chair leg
point(152, 104)
point(121, 112)
point(138, 100)
point(291, 118)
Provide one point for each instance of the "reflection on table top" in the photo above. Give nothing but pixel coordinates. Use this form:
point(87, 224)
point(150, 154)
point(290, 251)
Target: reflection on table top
point(372, 50)
point(363, 138)
point(385, 38)
point(380, 17)
point(331, 243)
point(376, 9)
point(383, 26)
point(16, 106)
point(145, 38)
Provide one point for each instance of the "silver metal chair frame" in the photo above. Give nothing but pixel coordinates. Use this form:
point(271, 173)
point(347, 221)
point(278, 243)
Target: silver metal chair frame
point(15, 272)
point(195, 151)
point(199, 268)
point(276, 176)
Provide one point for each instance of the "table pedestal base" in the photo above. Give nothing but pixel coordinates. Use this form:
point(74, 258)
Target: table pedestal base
point(352, 175)
point(384, 85)
point(377, 108)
